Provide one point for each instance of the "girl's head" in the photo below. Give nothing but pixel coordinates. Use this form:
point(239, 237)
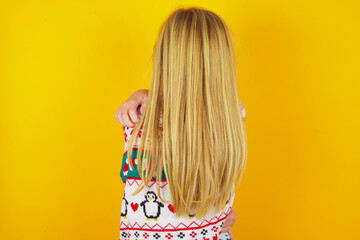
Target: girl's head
point(201, 146)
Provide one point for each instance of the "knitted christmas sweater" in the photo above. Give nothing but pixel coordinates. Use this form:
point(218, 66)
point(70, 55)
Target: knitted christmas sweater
point(144, 216)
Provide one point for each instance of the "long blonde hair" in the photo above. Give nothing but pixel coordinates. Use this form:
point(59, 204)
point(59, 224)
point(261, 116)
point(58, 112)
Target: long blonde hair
point(201, 145)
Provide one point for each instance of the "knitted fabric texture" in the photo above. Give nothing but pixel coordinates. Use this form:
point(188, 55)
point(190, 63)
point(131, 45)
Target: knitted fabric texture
point(145, 217)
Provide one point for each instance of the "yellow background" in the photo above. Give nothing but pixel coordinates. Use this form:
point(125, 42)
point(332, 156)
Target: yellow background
point(66, 66)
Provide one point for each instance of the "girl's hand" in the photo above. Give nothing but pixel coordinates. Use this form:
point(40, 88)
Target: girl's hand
point(231, 235)
point(128, 112)
point(229, 222)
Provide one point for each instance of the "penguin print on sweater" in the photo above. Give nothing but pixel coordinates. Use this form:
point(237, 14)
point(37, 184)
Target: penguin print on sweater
point(151, 207)
point(124, 207)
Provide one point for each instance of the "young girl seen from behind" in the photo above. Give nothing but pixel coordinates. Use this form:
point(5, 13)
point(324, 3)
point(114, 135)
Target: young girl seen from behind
point(185, 158)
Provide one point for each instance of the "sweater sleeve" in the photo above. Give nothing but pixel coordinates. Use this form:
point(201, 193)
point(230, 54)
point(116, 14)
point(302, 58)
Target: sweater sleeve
point(128, 131)
point(125, 167)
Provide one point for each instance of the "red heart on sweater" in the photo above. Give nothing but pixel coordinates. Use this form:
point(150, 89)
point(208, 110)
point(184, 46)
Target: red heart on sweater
point(171, 208)
point(134, 206)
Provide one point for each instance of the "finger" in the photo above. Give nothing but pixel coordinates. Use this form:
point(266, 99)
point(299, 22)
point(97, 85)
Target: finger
point(133, 115)
point(226, 223)
point(144, 99)
point(229, 221)
point(225, 229)
point(231, 235)
point(142, 108)
point(226, 226)
point(118, 118)
point(127, 121)
point(232, 210)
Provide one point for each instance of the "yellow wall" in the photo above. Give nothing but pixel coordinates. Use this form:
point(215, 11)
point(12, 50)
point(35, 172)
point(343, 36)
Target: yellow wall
point(66, 66)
